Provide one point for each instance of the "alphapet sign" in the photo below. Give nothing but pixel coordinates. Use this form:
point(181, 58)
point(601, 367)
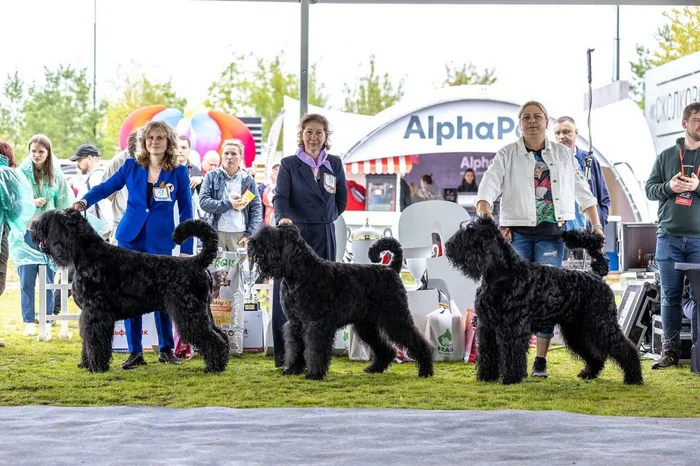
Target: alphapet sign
point(461, 128)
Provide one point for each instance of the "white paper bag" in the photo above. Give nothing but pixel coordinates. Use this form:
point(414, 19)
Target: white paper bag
point(357, 349)
point(228, 297)
point(445, 331)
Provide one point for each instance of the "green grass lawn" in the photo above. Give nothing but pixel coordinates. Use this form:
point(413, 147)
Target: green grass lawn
point(45, 373)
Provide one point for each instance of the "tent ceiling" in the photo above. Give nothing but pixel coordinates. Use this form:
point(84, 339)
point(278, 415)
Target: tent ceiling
point(493, 2)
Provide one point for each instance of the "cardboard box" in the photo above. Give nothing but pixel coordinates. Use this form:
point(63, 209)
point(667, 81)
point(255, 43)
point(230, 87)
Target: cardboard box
point(253, 332)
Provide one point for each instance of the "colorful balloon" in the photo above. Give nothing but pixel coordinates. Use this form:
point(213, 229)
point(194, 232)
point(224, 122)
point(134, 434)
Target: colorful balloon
point(206, 130)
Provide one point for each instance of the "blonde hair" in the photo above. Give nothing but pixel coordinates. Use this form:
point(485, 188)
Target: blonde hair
point(233, 142)
point(46, 172)
point(170, 157)
point(537, 104)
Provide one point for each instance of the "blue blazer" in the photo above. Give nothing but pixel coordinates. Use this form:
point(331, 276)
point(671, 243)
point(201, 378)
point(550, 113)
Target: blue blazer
point(158, 218)
point(302, 199)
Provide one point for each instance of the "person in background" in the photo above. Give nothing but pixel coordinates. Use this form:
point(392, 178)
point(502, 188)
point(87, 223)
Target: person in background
point(16, 207)
point(428, 190)
point(222, 199)
point(674, 183)
point(405, 196)
point(88, 160)
point(210, 161)
point(565, 133)
point(49, 190)
point(119, 199)
point(539, 185)
point(267, 192)
point(311, 193)
point(183, 154)
point(156, 182)
point(468, 182)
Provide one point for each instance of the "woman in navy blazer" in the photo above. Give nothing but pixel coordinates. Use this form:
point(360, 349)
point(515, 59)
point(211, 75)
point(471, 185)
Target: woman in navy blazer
point(155, 181)
point(311, 193)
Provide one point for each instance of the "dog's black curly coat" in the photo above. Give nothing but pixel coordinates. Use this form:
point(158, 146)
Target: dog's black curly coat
point(517, 297)
point(321, 296)
point(112, 283)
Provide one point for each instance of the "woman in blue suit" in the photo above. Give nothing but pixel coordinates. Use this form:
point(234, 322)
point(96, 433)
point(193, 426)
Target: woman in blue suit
point(311, 193)
point(155, 181)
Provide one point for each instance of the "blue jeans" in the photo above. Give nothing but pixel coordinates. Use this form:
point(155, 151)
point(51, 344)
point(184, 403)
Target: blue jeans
point(669, 250)
point(541, 251)
point(133, 326)
point(27, 282)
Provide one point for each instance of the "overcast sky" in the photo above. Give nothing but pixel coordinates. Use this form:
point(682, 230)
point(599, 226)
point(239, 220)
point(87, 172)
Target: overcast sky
point(540, 50)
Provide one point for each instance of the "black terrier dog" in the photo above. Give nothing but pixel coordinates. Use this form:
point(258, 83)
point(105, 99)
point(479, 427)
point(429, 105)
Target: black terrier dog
point(112, 283)
point(517, 297)
point(321, 296)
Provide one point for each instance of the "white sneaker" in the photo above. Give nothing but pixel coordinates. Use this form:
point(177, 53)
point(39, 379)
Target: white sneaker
point(29, 330)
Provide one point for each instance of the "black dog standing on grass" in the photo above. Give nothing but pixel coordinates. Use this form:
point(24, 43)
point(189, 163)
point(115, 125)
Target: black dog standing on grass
point(112, 283)
point(321, 296)
point(517, 297)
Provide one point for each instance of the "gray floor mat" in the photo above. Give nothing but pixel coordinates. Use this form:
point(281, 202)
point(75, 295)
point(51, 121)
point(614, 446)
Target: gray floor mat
point(135, 435)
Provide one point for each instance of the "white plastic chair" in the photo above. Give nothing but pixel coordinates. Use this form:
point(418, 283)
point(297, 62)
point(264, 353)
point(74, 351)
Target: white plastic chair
point(417, 224)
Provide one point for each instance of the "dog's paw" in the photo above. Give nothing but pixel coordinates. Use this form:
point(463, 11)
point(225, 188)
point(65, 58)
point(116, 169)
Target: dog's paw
point(82, 365)
point(293, 371)
point(425, 372)
point(510, 380)
point(487, 377)
point(314, 376)
point(98, 369)
point(585, 374)
point(372, 369)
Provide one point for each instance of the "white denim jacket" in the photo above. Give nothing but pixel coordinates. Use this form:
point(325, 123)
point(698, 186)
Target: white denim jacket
point(511, 175)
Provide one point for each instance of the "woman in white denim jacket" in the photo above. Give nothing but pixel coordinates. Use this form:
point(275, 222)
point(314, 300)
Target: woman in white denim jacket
point(538, 183)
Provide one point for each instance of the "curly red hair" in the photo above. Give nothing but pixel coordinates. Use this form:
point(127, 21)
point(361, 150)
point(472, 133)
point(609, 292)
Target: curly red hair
point(6, 150)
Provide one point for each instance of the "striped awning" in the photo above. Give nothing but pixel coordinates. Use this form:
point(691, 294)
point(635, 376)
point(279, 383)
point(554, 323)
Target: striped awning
point(385, 166)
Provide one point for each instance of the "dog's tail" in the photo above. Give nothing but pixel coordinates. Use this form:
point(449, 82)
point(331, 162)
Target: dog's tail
point(203, 231)
point(391, 245)
point(593, 244)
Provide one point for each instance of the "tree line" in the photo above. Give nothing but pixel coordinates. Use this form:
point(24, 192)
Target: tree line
point(62, 106)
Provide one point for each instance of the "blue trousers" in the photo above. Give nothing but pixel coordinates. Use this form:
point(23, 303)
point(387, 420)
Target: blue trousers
point(27, 282)
point(133, 326)
point(541, 251)
point(669, 250)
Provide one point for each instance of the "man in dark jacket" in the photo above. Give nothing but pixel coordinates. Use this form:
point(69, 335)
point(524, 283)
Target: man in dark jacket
point(565, 132)
point(674, 183)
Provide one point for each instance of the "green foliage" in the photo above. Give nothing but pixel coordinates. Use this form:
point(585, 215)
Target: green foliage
point(62, 108)
point(256, 87)
point(373, 93)
point(11, 116)
point(675, 39)
point(45, 373)
point(135, 92)
point(467, 74)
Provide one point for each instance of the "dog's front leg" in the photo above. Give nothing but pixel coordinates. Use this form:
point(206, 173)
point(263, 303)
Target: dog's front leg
point(318, 340)
point(513, 345)
point(488, 356)
point(97, 341)
point(293, 348)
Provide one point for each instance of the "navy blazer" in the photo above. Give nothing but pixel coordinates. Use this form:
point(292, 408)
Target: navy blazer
point(159, 217)
point(300, 198)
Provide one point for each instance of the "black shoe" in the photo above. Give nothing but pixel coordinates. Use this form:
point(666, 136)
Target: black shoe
point(168, 357)
point(539, 367)
point(135, 360)
point(668, 359)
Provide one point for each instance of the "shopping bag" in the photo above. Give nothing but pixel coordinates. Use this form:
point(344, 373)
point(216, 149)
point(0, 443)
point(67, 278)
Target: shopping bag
point(357, 349)
point(228, 297)
point(470, 343)
point(445, 331)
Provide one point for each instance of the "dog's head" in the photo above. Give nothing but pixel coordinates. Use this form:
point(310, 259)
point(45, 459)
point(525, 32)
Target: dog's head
point(478, 247)
point(62, 234)
point(277, 250)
